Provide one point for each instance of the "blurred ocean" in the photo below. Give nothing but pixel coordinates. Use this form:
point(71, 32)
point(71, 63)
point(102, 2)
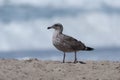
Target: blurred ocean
point(24, 34)
point(109, 54)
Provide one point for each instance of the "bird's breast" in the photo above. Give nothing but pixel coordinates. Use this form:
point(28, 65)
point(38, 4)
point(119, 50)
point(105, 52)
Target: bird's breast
point(61, 45)
point(56, 40)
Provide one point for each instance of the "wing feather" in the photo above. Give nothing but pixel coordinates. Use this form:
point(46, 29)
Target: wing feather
point(73, 43)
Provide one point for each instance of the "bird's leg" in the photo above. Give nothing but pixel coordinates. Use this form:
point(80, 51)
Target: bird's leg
point(75, 61)
point(64, 57)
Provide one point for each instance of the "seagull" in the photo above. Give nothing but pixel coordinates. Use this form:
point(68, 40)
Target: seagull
point(66, 43)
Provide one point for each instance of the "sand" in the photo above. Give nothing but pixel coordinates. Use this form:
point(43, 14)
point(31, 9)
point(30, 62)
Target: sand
point(33, 69)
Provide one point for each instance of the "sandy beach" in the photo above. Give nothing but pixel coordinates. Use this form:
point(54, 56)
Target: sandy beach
point(33, 69)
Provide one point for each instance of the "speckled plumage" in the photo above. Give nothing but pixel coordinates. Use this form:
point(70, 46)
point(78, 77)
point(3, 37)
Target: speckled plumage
point(66, 43)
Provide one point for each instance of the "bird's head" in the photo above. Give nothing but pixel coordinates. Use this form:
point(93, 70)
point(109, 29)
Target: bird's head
point(56, 26)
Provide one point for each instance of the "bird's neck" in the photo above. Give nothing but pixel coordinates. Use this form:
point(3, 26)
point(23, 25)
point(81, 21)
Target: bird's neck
point(56, 33)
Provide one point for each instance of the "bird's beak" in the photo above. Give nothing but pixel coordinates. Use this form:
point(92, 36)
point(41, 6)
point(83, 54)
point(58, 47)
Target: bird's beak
point(49, 27)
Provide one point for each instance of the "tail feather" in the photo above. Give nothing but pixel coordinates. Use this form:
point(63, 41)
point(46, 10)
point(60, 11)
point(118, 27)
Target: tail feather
point(89, 49)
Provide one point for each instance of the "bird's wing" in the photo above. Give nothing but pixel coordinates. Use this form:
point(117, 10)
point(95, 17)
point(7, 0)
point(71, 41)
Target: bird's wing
point(74, 43)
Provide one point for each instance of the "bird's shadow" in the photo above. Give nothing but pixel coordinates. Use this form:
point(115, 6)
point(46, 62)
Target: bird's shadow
point(81, 62)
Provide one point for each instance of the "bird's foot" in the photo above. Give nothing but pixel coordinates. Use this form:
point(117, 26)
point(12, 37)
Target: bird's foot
point(79, 62)
point(76, 61)
point(63, 61)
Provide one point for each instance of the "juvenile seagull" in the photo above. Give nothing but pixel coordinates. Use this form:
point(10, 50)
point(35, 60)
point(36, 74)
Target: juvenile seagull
point(66, 43)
